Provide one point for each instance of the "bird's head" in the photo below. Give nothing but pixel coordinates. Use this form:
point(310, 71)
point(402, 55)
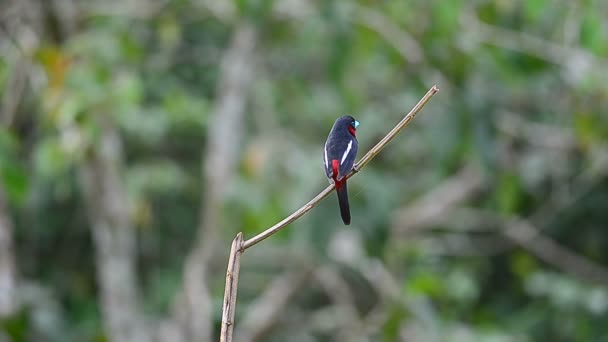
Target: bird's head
point(349, 123)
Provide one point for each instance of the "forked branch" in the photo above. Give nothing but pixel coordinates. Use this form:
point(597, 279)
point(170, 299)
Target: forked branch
point(238, 246)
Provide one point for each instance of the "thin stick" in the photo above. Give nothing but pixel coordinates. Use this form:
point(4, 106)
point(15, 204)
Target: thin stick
point(232, 282)
point(391, 135)
point(358, 166)
point(238, 246)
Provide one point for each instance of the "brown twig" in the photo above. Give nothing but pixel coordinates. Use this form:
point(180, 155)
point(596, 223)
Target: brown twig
point(238, 246)
point(358, 166)
point(232, 282)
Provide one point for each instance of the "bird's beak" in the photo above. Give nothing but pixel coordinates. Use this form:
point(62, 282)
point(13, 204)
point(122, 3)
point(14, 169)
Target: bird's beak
point(356, 124)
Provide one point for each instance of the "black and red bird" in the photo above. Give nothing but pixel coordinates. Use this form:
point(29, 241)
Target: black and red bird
point(339, 156)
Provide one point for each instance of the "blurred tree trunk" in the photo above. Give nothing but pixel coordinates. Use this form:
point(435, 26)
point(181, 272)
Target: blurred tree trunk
point(113, 237)
point(8, 278)
point(193, 306)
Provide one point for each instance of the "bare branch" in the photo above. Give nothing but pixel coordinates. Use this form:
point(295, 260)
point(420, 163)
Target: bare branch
point(238, 247)
point(230, 291)
point(358, 166)
point(393, 133)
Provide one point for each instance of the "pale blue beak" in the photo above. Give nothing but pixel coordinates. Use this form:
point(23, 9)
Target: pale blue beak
point(356, 124)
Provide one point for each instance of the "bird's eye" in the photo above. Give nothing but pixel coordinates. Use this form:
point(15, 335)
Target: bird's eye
point(355, 124)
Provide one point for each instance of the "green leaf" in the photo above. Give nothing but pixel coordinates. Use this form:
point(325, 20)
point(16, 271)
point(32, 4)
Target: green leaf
point(426, 283)
point(508, 193)
point(523, 264)
point(593, 34)
point(50, 159)
point(15, 181)
point(534, 9)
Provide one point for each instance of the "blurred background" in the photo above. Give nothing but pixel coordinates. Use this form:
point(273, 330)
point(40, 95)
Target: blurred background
point(138, 137)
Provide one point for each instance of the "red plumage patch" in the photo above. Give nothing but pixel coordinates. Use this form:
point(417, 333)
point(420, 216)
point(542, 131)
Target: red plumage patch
point(335, 165)
point(352, 131)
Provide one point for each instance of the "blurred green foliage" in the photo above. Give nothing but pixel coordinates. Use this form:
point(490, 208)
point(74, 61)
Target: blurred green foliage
point(523, 97)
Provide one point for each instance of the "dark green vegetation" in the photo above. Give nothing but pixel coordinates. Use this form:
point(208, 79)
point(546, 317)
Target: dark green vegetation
point(139, 135)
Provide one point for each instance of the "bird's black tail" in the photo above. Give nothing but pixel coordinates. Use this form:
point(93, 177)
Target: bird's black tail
point(343, 201)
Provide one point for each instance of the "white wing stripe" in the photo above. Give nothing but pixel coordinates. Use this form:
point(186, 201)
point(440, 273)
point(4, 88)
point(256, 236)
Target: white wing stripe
point(326, 162)
point(350, 145)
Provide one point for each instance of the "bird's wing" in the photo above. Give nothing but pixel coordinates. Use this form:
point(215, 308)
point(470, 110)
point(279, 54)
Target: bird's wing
point(343, 151)
point(347, 159)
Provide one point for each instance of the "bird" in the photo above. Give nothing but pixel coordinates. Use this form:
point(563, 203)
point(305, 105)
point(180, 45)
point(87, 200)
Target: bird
point(338, 158)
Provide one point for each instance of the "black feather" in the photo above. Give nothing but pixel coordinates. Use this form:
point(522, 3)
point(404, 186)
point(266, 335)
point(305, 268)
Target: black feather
point(343, 201)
